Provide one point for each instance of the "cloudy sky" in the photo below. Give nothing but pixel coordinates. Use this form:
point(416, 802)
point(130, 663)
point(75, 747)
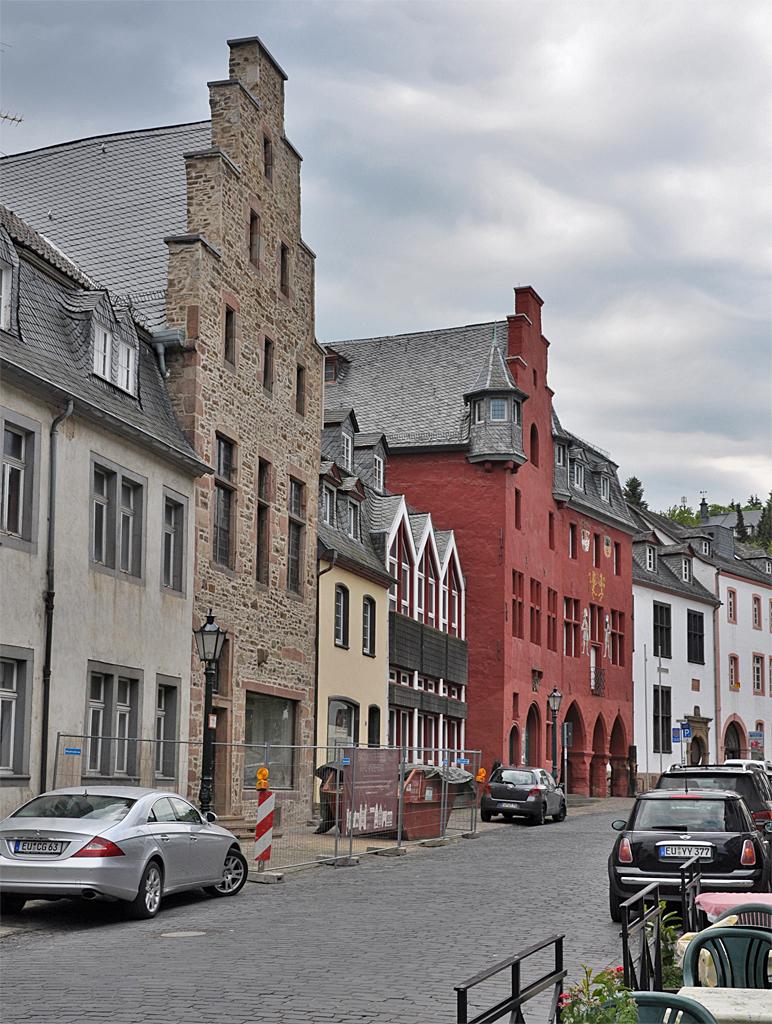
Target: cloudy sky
point(614, 154)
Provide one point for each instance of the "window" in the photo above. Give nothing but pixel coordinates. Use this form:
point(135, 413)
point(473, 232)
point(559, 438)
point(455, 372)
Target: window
point(127, 367)
point(6, 284)
point(19, 483)
point(284, 270)
point(498, 409)
point(756, 612)
point(96, 713)
point(651, 558)
point(551, 530)
point(517, 413)
point(706, 547)
point(262, 554)
point(518, 616)
point(573, 551)
point(393, 569)
point(552, 620)
point(518, 510)
point(421, 587)
point(103, 353)
point(123, 369)
point(254, 239)
point(534, 445)
point(617, 637)
point(300, 390)
point(686, 570)
point(577, 474)
point(734, 672)
point(111, 723)
point(14, 480)
point(605, 489)
point(373, 726)
point(535, 611)
point(341, 615)
point(330, 371)
point(9, 695)
point(117, 515)
point(15, 710)
point(758, 673)
point(295, 535)
point(560, 455)
point(617, 559)
point(378, 470)
point(122, 715)
point(571, 627)
point(663, 737)
point(479, 411)
point(405, 586)
point(269, 720)
point(731, 605)
point(267, 158)
point(229, 349)
point(342, 724)
point(328, 506)
point(353, 520)
point(695, 638)
point(222, 539)
point(431, 593)
point(348, 451)
point(596, 550)
point(165, 761)
point(662, 630)
point(368, 627)
point(173, 549)
point(268, 350)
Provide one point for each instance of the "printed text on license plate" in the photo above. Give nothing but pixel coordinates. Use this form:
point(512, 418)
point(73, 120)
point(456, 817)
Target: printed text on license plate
point(36, 846)
point(703, 852)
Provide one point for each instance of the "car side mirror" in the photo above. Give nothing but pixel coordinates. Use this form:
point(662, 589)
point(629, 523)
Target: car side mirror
point(211, 817)
point(621, 825)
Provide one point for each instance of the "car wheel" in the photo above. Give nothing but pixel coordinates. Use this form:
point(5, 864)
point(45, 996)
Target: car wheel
point(540, 817)
point(234, 875)
point(10, 903)
point(561, 815)
point(614, 907)
point(148, 898)
point(485, 815)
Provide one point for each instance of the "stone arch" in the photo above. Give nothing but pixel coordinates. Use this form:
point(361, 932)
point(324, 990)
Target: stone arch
point(578, 778)
point(697, 751)
point(618, 751)
point(600, 756)
point(533, 735)
point(514, 745)
point(735, 741)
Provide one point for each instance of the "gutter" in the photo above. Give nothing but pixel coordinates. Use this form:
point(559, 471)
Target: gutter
point(716, 671)
point(319, 573)
point(48, 596)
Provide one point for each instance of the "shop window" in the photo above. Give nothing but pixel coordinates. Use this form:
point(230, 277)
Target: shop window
point(269, 723)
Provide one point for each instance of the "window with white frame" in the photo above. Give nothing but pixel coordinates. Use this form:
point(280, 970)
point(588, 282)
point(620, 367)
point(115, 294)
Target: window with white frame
point(517, 413)
point(560, 455)
point(9, 696)
point(341, 615)
point(103, 352)
point(328, 506)
point(6, 281)
point(577, 475)
point(368, 626)
point(756, 612)
point(96, 721)
point(431, 594)
point(348, 449)
point(605, 488)
point(127, 367)
point(122, 718)
point(651, 558)
point(706, 547)
point(353, 520)
point(405, 580)
point(393, 567)
point(686, 570)
point(420, 588)
point(378, 470)
point(731, 611)
point(498, 409)
point(734, 672)
point(479, 411)
point(14, 480)
point(758, 673)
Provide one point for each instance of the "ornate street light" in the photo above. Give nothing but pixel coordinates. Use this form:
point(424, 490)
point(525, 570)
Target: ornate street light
point(209, 643)
point(554, 701)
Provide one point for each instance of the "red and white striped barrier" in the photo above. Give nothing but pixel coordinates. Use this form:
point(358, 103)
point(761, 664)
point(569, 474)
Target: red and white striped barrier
point(264, 827)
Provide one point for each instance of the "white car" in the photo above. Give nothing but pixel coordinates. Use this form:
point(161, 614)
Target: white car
point(118, 843)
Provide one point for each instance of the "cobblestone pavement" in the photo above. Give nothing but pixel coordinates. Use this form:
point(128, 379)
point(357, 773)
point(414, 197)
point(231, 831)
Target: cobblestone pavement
point(384, 942)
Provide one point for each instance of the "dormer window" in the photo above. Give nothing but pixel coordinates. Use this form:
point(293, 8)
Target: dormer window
point(6, 278)
point(605, 488)
point(651, 558)
point(353, 520)
point(577, 475)
point(479, 412)
point(103, 352)
point(768, 567)
point(328, 506)
point(347, 451)
point(378, 472)
point(498, 409)
point(330, 371)
point(560, 455)
point(706, 547)
point(686, 570)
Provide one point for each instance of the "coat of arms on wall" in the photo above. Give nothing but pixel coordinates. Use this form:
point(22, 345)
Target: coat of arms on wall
point(597, 584)
point(585, 540)
point(607, 546)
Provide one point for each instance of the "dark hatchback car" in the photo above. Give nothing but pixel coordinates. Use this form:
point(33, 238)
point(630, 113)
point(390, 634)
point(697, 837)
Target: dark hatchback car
point(665, 829)
point(523, 792)
point(751, 783)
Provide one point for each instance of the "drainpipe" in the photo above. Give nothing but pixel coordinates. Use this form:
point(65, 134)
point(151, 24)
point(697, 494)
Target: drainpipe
point(319, 573)
point(49, 595)
point(716, 668)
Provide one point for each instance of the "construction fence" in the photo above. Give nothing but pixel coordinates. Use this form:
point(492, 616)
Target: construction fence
point(332, 803)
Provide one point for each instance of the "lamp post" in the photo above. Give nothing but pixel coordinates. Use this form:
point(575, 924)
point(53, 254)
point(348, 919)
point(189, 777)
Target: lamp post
point(209, 642)
point(554, 700)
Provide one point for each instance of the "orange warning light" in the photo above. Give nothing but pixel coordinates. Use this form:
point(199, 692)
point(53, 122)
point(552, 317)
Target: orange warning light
point(262, 778)
point(481, 775)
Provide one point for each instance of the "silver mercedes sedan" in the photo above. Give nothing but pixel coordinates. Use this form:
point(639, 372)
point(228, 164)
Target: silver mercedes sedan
point(118, 843)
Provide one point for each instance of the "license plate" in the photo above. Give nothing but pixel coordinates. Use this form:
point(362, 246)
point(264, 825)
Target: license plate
point(508, 806)
point(685, 852)
point(37, 846)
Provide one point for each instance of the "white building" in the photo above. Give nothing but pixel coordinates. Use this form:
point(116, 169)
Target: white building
point(96, 537)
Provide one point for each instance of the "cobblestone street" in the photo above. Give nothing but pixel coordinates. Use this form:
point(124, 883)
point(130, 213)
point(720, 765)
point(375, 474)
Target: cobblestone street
point(383, 942)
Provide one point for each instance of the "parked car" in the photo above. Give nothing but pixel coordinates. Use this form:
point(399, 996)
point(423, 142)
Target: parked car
point(125, 843)
point(525, 792)
point(764, 766)
point(667, 828)
point(751, 783)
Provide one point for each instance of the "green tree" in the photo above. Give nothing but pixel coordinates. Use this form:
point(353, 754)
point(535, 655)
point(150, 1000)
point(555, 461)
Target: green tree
point(740, 529)
point(763, 536)
point(753, 501)
point(633, 492)
point(683, 514)
point(718, 510)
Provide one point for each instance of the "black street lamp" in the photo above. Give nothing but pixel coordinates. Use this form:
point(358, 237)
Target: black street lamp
point(554, 700)
point(209, 642)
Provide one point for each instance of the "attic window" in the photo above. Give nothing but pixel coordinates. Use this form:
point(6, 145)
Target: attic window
point(330, 371)
point(498, 409)
point(347, 451)
point(651, 558)
point(103, 352)
point(706, 547)
point(577, 475)
point(479, 413)
point(516, 413)
point(768, 567)
point(6, 277)
point(605, 488)
point(560, 455)
point(127, 367)
point(686, 570)
point(378, 470)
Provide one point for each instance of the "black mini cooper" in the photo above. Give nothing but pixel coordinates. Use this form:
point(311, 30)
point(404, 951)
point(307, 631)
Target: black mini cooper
point(666, 828)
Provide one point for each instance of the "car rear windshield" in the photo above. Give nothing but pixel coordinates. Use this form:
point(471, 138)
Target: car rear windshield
point(515, 777)
point(682, 814)
point(76, 805)
point(735, 783)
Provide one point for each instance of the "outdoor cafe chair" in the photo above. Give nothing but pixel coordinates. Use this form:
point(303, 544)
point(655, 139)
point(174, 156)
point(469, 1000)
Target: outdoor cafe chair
point(750, 915)
point(664, 1008)
point(740, 957)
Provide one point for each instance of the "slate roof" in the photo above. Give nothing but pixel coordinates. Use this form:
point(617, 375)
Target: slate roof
point(666, 577)
point(353, 551)
point(49, 353)
point(109, 201)
point(494, 374)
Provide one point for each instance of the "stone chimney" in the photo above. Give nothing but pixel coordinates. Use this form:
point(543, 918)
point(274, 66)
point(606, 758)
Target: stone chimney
point(703, 510)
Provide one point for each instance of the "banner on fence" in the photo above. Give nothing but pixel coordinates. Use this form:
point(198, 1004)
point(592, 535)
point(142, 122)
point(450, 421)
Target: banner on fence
point(370, 792)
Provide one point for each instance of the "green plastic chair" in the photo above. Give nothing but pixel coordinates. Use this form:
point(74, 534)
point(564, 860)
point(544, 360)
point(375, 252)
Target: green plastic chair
point(750, 915)
point(740, 957)
point(663, 1008)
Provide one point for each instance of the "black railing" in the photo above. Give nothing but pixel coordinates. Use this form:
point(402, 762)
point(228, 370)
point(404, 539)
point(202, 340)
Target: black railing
point(691, 880)
point(636, 920)
point(514, 1002)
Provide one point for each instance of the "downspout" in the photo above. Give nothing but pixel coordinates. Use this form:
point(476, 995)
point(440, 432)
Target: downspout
point(49, 596)
point(319, 574)
point(716, 670)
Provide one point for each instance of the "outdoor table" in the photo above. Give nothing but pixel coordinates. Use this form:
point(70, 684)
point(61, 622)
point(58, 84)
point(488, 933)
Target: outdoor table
point(734, 1005)
point(715, 903)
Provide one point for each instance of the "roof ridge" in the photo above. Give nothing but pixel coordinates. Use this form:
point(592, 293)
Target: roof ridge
point(74, 143)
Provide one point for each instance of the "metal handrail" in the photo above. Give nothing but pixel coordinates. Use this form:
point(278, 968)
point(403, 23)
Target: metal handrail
point(649, 974)
point(691, 881)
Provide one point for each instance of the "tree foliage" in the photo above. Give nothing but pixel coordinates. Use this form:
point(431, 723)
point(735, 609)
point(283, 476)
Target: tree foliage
point(683, 514)
point(763, 536)
point(633, 492)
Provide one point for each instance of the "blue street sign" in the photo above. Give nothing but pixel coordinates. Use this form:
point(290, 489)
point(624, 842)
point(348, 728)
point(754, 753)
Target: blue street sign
point(346, 760)
point(462, 760)
point(445, 761)
point(73, 750)
point(676, 734)
point(686, 732)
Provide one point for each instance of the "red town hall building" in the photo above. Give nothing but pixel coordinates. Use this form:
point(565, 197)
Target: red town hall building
point(542, 529)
